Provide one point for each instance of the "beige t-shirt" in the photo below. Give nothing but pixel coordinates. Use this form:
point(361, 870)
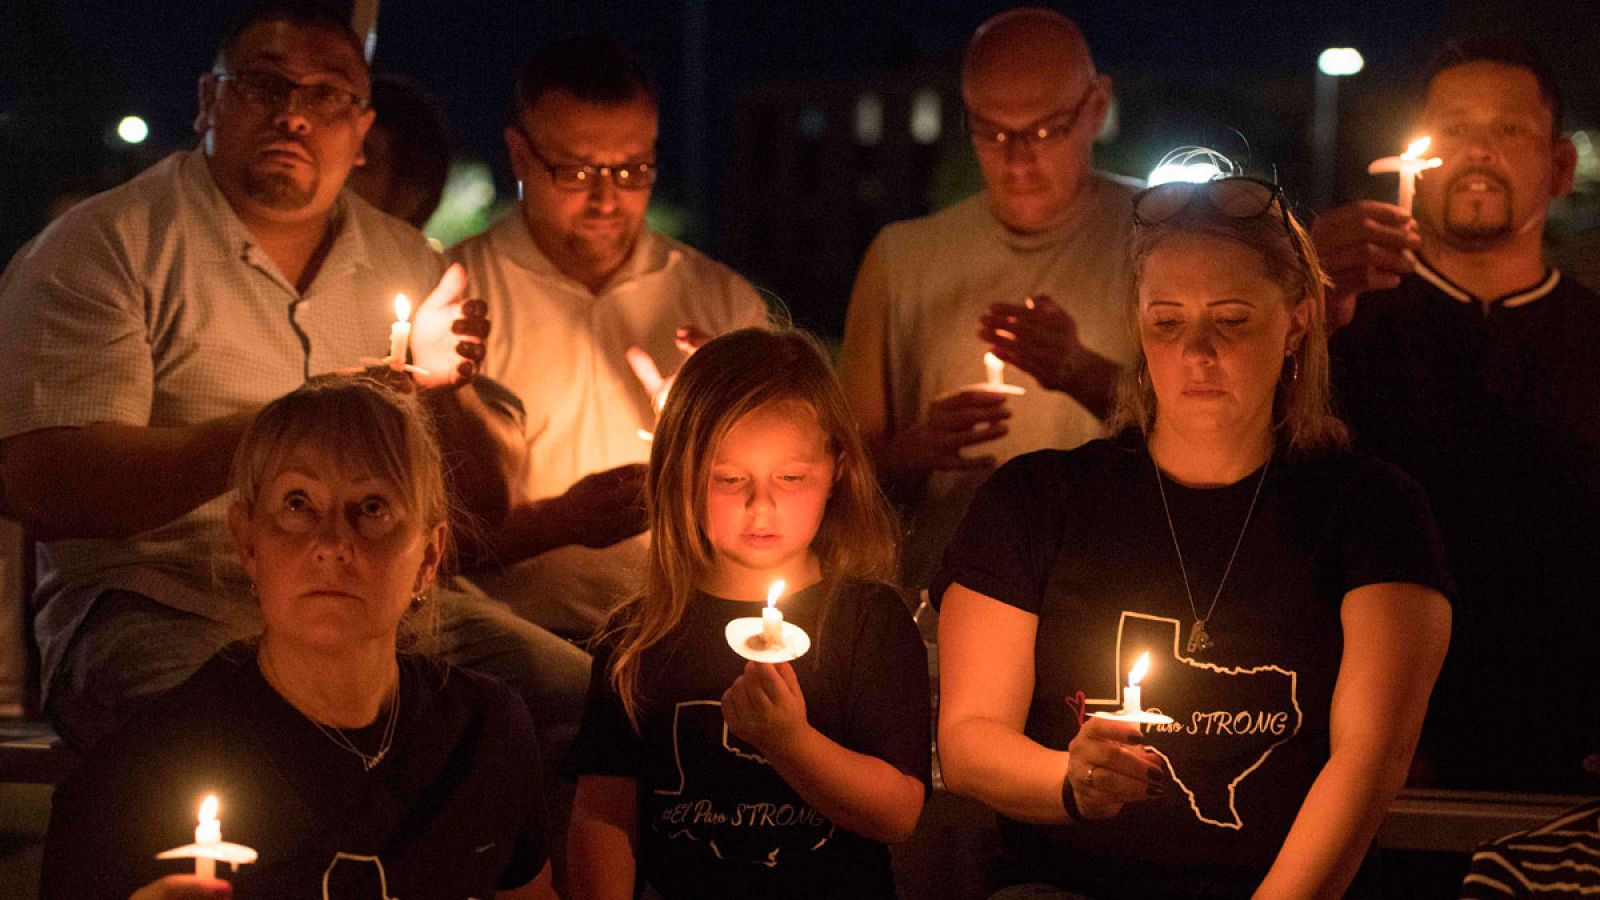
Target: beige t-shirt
point(943, 272)
point(560, 348)
point(151, 305)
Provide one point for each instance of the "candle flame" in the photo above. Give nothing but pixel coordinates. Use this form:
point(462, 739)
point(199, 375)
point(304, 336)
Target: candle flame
point(1139, 669)
point(1416, 148)
point(989, 359)
point(208, 809)
point(774, 592)
point(402, 308)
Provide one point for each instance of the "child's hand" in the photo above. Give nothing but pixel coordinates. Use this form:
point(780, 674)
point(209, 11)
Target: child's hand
point(765, 706)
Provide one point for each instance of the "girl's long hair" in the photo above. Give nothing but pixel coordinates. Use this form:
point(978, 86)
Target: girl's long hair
point(726, 380)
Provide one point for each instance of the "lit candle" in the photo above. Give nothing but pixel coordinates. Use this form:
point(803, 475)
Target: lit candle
point(995, 369)
point(1407, 165)
point(400, 333)
point(208, 846)
point(1132, 702)
point(772, 617)
point(207, 837)
point(768, 638)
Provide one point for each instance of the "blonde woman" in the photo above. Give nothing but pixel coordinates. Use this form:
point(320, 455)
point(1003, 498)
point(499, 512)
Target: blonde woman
point(1290, 596)
point(344, 755)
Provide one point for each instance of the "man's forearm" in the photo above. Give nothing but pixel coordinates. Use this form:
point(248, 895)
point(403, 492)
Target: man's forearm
point(483, 449)
point(1091, 379)
point(110, 480)
point(527, 530)
point(903, 484)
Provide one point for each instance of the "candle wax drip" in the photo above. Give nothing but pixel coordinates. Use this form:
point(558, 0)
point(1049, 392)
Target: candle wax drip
point(759, 642)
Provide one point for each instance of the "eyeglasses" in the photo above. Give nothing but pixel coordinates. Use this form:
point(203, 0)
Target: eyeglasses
point(1235, 196)
point(633, 176)
point(322, 102)
point(1048, 133)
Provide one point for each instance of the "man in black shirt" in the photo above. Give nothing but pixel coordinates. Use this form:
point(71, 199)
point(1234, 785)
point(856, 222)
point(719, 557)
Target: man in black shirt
point(1474, 366)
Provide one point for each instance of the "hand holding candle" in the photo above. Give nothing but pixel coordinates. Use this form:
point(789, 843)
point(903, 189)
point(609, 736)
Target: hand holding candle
point(208, 846)
point(768, 639)
point(1407, 165)
point(448, 332)
point(766, 707)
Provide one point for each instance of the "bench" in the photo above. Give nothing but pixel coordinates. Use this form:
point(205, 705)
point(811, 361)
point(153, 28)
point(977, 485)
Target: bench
point(30, 750)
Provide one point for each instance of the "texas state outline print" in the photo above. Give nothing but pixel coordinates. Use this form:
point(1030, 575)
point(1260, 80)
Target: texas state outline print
point(1115, 701)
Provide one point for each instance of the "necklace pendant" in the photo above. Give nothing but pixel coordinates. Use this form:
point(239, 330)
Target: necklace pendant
point(1199, 640)
point(371, 762)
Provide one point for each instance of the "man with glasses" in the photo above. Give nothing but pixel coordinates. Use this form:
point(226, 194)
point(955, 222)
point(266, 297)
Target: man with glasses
point(1033, 269)
point(1472, 364)
point(574, 279)
point(140, 334)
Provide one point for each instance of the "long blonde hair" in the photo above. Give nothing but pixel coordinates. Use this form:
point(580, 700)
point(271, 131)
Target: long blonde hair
point(1302, 409)
point(723, 382)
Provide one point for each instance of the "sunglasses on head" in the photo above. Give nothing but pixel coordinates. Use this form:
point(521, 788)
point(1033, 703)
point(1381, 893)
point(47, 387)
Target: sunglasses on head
point(1235, 196)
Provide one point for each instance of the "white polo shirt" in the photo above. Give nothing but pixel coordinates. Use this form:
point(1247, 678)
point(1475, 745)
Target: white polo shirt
point(560, 347)
point(151, 305)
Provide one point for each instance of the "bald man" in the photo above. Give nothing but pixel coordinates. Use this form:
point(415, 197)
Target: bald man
point(1033, 269)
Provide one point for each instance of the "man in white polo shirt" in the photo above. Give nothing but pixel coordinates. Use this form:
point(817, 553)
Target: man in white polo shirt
point(574, 278)
point(140, 333)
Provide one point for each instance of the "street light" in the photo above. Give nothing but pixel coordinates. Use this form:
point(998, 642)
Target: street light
point(132, 130)
point(1332, 64)
point(1337, 61)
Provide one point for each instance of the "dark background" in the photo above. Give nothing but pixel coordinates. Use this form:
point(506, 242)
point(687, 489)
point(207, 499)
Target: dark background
point(761, 164)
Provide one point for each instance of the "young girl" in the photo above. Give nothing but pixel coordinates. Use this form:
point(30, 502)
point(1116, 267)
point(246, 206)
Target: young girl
point(705, 775)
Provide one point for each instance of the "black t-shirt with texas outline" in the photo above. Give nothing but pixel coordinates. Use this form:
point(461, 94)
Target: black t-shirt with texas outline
point(455, 810)
point(715, 820)
point(1079, 538)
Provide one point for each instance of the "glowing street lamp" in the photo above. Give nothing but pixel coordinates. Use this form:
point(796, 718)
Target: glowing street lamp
point(1340, 61)
point(132, 130)
point(1332, 64)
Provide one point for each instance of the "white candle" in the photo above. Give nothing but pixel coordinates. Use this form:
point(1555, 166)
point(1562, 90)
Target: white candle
point(1407, 165)
point(207, 836)
point(400, 333)
point(772, 617)
point(1132, 699)
point(995, 369)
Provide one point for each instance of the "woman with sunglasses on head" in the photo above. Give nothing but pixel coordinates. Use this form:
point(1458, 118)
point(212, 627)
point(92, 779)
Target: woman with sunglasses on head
point(354, 764)
point(1290, 596)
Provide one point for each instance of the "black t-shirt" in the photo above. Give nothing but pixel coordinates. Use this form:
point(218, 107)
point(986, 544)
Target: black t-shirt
point(1079, 539)
point(1497, 416)
point(454, 810)
point(715, 820)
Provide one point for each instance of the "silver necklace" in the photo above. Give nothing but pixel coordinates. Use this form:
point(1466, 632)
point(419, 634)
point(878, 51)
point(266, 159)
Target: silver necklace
point(369, 761)
point(1199, 638)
